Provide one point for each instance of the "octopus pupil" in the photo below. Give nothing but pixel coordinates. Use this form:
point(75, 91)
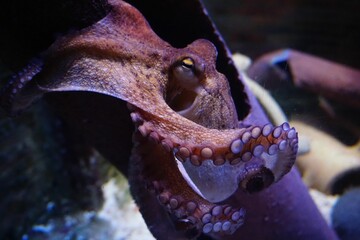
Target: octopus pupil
point(186, 64)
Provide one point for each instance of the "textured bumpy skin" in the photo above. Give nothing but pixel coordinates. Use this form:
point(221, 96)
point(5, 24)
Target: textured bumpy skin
point(189, 150)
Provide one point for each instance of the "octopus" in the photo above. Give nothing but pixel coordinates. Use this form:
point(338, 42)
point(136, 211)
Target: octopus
point(190, 152)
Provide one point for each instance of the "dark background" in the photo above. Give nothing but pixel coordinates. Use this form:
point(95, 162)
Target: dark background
point(328, 28)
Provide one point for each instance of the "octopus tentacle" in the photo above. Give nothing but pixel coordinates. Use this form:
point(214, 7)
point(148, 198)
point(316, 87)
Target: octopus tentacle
point(260, 155)
point(189, 212)
point(234, 146)
point(207, 216)
point(187, 207)
point(10, 95)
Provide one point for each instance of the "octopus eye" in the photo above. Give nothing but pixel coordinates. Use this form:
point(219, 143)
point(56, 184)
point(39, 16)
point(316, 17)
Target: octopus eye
point(184, 85)
point(184, 73)
point(257, 181)
point(188, 63)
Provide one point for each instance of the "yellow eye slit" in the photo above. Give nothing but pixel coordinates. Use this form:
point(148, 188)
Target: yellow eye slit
point(188, 62)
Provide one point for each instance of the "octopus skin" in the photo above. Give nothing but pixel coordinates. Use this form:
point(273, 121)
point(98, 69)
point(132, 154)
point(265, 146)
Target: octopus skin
point(190, 153)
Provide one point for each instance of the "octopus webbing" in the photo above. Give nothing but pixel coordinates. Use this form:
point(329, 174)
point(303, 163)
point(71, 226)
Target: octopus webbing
point(190, 151)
